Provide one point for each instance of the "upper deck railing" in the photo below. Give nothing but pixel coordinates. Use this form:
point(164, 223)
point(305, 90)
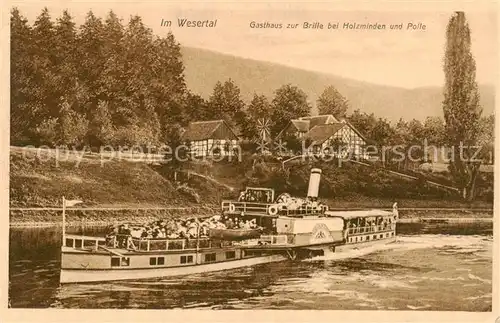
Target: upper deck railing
point(268, 209)
point(141, 244)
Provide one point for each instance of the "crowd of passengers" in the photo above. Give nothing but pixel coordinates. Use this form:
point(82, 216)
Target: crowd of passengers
point(180, 229)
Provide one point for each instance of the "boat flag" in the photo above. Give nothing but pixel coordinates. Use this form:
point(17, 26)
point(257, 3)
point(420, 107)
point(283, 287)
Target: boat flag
point(70, 203)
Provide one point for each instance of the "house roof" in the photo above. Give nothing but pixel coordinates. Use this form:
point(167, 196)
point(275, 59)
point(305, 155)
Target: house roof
point(319, 120)
point(301, 125)
point(320, 133)
point(201, 130)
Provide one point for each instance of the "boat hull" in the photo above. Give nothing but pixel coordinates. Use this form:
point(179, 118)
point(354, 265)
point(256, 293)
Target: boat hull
point(364, 244)
point(97, 275)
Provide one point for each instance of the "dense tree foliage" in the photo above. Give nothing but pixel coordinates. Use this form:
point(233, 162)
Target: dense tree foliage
point(101, 83)
point(226, 103)
point(289, 102)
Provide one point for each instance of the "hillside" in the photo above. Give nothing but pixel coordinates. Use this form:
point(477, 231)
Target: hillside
point(204, 68)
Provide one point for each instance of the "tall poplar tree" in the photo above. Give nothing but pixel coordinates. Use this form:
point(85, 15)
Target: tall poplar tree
point(461, 106)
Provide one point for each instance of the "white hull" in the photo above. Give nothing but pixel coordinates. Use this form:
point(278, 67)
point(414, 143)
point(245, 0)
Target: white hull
point(365, 244)
point(92, 275)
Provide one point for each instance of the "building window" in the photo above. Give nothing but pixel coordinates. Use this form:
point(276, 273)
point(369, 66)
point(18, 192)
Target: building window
point(186, 259)
point(230, 254)
point(210, 257)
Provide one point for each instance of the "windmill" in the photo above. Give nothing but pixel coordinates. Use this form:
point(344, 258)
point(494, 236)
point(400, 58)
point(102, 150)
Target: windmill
point(264, 134)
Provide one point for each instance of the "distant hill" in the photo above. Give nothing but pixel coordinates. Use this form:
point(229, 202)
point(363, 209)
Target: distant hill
point(204, 68)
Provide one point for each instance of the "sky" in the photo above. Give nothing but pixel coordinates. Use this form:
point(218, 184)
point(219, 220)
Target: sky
point(404, 58)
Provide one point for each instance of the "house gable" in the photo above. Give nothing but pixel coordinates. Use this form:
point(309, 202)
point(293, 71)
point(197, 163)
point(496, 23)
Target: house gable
point(213, 129)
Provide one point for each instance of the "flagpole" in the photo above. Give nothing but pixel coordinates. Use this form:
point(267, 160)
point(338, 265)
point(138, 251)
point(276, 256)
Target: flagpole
point(64, 222)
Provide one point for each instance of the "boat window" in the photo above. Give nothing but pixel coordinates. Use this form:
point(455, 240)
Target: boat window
point(230, 254)
point(89, 243)
point(356, 239)
point(153, 261)
point(69, 243)
point(374, 236)
point(120, 261)
point(157, 245)
point(125, 261)
point(78, 243)
point(175, 245)
point(186, 259)
point(381, 236)
point(367, 237)
point(115, 261)
point(387, 235)
point(209, 257)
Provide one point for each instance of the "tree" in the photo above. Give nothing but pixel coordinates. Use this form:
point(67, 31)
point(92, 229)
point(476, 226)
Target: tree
point(258, 114)
point(486, 138)
point(195, 108)
point(226, 103)
point(100, 127)
point(433, 131)
point(461, 107)
point(362, 121)
point(91, 64)
point(331, 101)
point(72, 127)
point(168, 87)
point(289, 102)
point(46, 88)
point(23, 108)
point(112, 81)
point(64, 47)
point(382, 134)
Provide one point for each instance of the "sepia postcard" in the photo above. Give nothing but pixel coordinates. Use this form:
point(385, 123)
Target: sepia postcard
point(255, 161)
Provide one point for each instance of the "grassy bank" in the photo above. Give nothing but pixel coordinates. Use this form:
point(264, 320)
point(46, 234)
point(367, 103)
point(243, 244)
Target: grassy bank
point(41, 182)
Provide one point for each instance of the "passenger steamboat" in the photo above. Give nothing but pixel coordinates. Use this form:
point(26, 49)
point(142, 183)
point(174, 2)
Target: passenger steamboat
point(285, 228)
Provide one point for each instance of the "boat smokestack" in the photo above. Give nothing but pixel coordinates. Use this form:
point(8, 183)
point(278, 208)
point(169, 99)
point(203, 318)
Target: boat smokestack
point(312, 192)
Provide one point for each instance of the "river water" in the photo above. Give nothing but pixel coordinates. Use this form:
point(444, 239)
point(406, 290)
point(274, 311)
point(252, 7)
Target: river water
point(421, 271)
